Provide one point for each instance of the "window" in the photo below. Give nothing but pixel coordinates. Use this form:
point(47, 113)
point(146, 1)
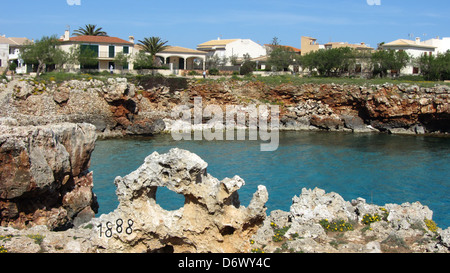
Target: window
point(415, 70)
point(126, 50)
point(89, 47)
point(112, 51)
point(88, 53)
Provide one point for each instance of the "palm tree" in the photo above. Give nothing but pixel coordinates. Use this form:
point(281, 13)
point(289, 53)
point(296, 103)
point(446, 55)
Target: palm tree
point(153, 45)
point(90, 30)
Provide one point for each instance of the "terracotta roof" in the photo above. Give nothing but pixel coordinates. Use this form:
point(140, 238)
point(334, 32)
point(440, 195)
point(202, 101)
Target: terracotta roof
point(405, 42)
point(285, 46)
point(97, 39)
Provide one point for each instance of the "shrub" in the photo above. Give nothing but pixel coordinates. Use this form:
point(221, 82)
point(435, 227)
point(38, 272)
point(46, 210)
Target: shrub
point(431, 225)
point(247, 68)
point(3, 249)
point(279, 232)
point(213, 71)
point(336, 225)
point(368, 218)
point(37, 238)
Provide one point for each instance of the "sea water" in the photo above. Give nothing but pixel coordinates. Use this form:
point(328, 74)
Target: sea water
point(377, 167)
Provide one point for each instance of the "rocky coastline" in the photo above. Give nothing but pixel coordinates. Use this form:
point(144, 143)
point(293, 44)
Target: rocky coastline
point(48, 132)
point(119, 107)
point(213, 220)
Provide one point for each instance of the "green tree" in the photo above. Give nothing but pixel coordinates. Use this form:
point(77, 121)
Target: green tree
point(87, 58)
point(247, 68)
point(281, 58)
point(153, 45)
point(384, 60)
point(121, 60)
point(329, 62)
point(212, 62)
point(435, 67)
point(275, 41)
point(90, 30)
point(44, 52)
point(143, 61)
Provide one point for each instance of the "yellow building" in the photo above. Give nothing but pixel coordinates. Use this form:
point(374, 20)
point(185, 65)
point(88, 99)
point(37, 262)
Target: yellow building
point(309, 44)
point(106, 48)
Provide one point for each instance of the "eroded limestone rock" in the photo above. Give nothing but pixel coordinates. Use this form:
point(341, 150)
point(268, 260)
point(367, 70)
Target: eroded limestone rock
point(44, 177)
point(211, 220)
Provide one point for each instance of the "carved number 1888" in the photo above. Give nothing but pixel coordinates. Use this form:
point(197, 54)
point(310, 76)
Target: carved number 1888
point(119, 228)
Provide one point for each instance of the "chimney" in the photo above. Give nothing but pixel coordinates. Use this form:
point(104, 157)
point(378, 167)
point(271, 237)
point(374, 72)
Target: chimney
point(131, 39)
point(66, 35)
point(418, 41)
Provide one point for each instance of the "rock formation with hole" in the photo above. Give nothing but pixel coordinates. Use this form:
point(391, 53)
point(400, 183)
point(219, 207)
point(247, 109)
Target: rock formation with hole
point(211, 220)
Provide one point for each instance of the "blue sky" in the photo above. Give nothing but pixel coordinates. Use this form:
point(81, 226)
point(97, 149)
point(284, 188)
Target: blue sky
point(189, 23)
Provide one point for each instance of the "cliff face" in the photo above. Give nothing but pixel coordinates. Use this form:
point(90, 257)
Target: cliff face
point(44, 177)
point(117, 106)
point(392, 108)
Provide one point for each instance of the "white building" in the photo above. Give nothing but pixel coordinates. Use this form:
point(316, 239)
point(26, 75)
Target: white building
point(183, 58)
point(415, 49)
point(442, 45)
point(10, 52)
point(229, 48)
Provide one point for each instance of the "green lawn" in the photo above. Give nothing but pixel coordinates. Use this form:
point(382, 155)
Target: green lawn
point(269, 80)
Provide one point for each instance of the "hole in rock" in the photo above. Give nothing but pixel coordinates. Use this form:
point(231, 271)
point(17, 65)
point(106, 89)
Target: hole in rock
point(169, 200)
point(165, 249)
point(227, 230)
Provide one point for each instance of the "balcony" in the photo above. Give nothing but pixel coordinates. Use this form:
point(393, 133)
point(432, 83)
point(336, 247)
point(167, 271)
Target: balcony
point(106, 55)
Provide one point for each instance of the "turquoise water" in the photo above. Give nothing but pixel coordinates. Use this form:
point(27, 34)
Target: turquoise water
point(380, 168)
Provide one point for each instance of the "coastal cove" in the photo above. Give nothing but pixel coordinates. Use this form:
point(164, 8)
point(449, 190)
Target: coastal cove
point(380, 168)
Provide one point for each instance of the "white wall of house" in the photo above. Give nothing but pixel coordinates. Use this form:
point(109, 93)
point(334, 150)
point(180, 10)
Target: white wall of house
point(442, 45)
point(10, 53)
point(414, 52)
point(4, 53)
point(412, 69)
point(238, 48)
point(244, 46)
